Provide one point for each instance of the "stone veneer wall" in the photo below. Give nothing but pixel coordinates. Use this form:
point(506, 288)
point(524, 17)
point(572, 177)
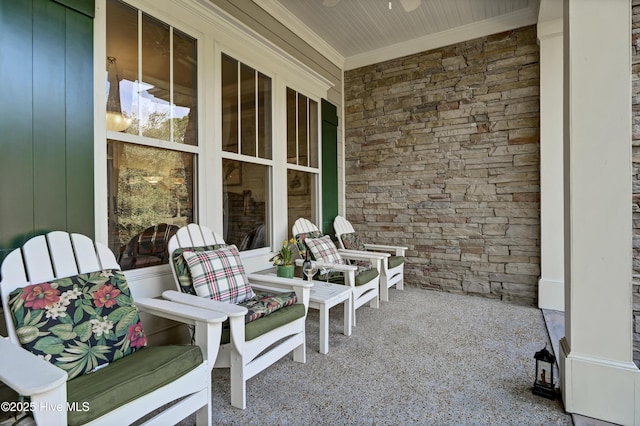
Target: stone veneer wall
point(442, 155)
point(635, 146)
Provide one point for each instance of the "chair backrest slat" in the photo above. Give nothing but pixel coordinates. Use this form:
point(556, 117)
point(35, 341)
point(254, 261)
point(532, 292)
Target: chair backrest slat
point(303, 226)
point(62, 257)
point(37, 260)
point(86, 256)
point(194, 235)
point(342, 226)
point(106, 257)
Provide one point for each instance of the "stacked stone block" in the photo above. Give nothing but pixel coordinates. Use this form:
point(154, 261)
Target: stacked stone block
point(442, 155)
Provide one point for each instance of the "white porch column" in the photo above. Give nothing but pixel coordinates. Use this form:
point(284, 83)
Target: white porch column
point(598, 376)
point(551, 283)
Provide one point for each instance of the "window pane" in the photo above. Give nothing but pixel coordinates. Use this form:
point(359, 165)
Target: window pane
point(264, 116)
point(300, 196)
point(292, 109)
point(313, 133)
point(246, 195)
point(122, 47)
point(248, 110)
point(185, 89)
point(229, 104)
point(154, 98)
point(147, 187)
point(303, 158)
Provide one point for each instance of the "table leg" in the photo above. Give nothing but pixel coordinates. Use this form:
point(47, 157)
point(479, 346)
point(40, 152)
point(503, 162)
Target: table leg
point(324, 329)
point(347, 316)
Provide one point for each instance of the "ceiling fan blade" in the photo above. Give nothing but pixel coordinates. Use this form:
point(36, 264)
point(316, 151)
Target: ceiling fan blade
point(409, 5)
point(330, 3)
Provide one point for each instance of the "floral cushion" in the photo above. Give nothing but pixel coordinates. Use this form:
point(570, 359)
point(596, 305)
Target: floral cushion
point(352, 241)
point(263, 304)
point(78, 323)
point(182, 269)
point(324, 249)
point(219, 274)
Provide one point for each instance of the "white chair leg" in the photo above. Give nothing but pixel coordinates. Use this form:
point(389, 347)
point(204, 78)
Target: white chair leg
point(384, 290)
point(353, 309)
point(203, 415)
point(300, 353)
point(375, 302)
point(400, 284)
point(238, 383)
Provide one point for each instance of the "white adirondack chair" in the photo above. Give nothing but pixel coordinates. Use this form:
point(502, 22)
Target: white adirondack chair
point(392, 267)
point(244, 357)
point(59, 255)
point(362, 292)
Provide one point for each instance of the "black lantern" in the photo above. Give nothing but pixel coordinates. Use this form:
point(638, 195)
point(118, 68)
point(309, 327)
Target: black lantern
point(544, 384)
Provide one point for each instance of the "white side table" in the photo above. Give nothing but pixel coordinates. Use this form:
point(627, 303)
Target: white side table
point(324, 296)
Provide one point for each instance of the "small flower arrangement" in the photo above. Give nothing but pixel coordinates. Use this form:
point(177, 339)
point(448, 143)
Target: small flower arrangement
point(285, 255)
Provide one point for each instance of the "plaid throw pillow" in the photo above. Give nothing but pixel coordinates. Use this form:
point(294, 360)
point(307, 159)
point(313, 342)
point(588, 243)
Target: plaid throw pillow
point(219, 275)
point(324, 249)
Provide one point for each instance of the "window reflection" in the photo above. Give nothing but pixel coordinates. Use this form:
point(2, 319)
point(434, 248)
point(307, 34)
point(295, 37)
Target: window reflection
point(246, 110)
point(246, 191)
point(302, 129)
point(150, 194)
point(155, 105)
point(300, 196)
point(246, 130)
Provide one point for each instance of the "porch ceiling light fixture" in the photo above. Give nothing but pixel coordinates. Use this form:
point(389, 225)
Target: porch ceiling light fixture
point(115, 120)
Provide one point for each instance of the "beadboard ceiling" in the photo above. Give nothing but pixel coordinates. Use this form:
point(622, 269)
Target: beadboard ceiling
point(354, 33)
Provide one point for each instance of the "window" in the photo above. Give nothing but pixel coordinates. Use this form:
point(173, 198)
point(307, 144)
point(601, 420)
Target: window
point(247, 154)
point(302, 157)
point(152, 133)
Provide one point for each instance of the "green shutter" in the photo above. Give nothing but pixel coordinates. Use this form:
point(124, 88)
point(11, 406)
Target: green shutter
point(46, 120)
point(329, 166)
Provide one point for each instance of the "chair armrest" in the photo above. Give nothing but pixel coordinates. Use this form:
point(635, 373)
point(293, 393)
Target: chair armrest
point(229, 309)
point(234, 312)
point(362, 255)
point(333, 266)
point(277, 282)
point(398, 250)
point(179, 311)
point(27, 373)
point(349, 271)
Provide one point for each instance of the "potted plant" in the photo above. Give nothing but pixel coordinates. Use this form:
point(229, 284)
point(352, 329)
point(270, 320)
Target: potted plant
point(283, 259)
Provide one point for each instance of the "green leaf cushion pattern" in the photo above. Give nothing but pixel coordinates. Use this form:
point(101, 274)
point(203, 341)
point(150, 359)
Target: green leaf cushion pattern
point(265, 303)
point(352, 241)
point(78, 323)
point(182, 269)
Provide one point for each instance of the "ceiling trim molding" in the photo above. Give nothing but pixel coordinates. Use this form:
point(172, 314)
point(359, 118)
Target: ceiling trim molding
point(484, 28)
point(289, 20)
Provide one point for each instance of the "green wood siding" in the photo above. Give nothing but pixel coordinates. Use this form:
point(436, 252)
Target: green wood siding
point(46, 120)
point(329, 166)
